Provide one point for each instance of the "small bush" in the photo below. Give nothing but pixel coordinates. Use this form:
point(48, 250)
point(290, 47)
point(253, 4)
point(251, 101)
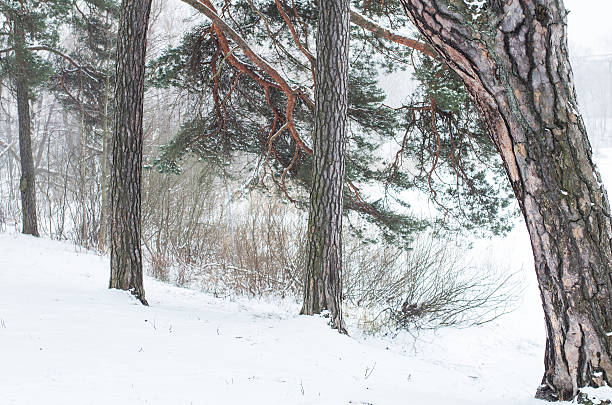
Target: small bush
point(196, 238)
point(429, 286)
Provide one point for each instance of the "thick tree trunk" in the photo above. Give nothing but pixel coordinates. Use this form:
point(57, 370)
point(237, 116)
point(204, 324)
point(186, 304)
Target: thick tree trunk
point(126, 250)
point(323, 279)
point(514, 62)
point(27, 184)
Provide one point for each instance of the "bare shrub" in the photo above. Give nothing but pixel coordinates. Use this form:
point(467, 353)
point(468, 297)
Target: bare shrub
point(193, 238)
point(429, 286)
point(196, 237)
point(160, 268)
point(3, 220)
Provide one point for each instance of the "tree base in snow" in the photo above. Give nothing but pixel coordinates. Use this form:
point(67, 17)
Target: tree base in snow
point(583, 398)
point(544, 392)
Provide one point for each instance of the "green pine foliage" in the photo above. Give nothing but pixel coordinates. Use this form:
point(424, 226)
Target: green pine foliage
point(83, 89)
point(441, 154)
point(77, 75)
point(470, 182)
point(40, 23)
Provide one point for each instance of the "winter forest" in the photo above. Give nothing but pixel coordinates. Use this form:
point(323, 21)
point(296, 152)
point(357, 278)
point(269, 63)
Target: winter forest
point(305, 202)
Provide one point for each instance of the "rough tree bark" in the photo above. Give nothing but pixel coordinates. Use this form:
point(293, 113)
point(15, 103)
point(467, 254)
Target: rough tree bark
point(514, 62)
point(27, 184)
point(323, 279)
point(126, 251)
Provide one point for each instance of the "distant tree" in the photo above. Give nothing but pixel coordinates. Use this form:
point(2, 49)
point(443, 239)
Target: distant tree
point(323, 278)
point(126, 177)
point(86, 91)
point(28, 28)
point(512, 57)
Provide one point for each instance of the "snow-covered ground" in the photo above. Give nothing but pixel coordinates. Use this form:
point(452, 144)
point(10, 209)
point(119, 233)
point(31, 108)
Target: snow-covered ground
point(67, 339)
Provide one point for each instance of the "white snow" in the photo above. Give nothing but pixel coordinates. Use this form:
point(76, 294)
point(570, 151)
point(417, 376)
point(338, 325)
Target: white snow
point(597, 395)
point(67, 339)
point(475, 6)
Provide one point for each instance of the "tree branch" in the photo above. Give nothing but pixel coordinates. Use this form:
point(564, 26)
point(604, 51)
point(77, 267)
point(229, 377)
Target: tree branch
point(57, 52)
point(381, 32)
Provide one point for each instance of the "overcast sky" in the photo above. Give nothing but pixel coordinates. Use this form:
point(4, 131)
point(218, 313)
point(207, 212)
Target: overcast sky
point(589, 26)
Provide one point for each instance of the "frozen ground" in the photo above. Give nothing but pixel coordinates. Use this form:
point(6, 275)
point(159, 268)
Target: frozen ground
point(66, 339)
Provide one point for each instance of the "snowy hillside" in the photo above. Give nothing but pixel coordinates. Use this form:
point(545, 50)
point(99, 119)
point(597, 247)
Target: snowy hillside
point(66, 339)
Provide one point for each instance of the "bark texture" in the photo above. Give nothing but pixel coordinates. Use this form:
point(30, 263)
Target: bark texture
point(27, 185)
point(323, 279)
point(126, 251)
point(514, 62)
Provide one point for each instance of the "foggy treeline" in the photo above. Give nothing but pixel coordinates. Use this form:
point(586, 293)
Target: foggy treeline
point(206, 229)
point(593, 74)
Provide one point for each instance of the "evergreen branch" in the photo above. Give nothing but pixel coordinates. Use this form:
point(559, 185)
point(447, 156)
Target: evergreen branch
point(381, 32)
point(296, 39)
point(222, 30)
point(57, 52)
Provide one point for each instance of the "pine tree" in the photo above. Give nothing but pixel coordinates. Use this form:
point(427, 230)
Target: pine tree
point(29, 28)
point(323, 279)
point(126, 178)
point(243, 104)
point(86, 91)
point(512, 57)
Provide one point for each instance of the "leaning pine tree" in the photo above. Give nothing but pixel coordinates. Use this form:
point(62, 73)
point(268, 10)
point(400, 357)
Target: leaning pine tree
point(512, 57)
point(126, 252)
point(323, 278)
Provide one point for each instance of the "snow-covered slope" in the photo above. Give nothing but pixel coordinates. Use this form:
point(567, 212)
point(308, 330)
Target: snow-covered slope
point(66, 339)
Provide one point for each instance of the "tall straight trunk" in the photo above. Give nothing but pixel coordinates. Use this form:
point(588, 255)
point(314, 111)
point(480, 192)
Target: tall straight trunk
point(104, 181)
point(27, 185)
point(323, 279)
point(126, 250)
point(514, 62)
point(84, 232)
